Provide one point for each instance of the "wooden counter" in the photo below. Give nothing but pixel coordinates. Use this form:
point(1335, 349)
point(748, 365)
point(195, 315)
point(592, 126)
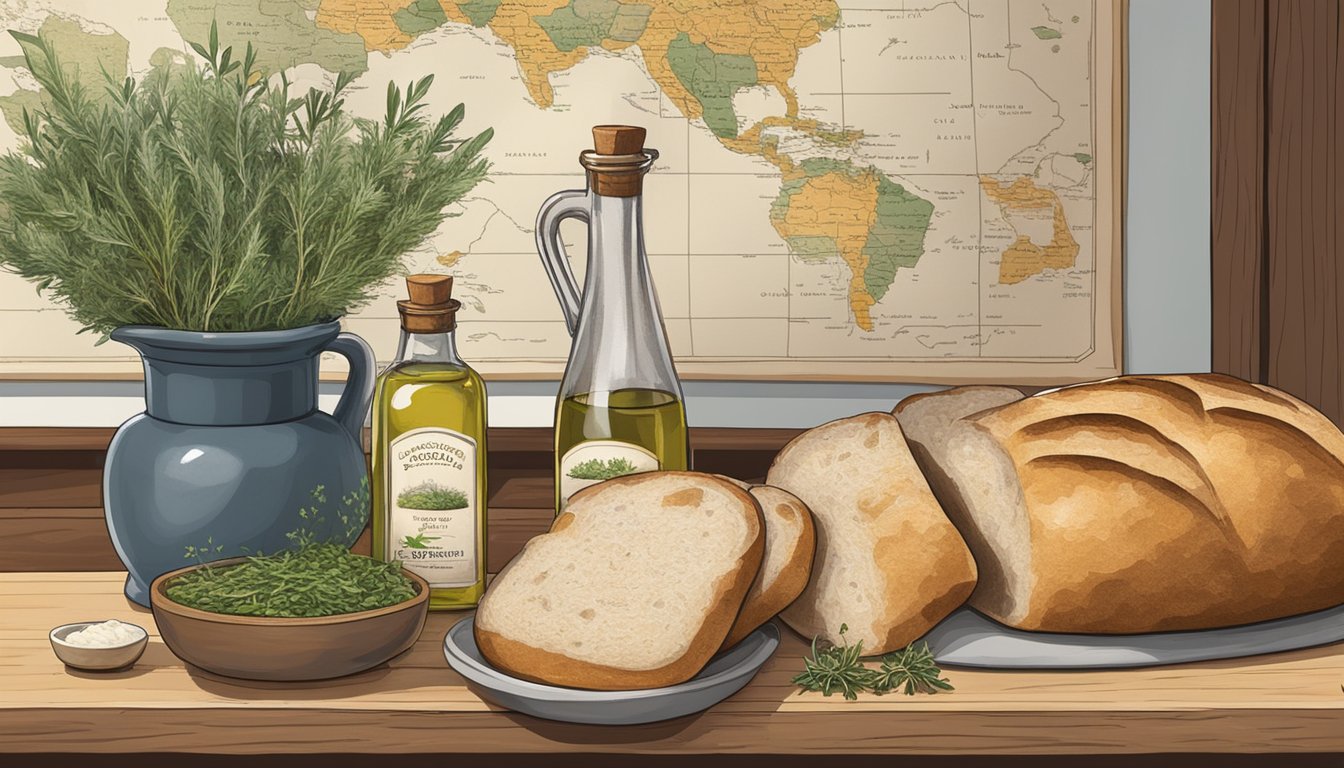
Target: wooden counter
point(416, 705)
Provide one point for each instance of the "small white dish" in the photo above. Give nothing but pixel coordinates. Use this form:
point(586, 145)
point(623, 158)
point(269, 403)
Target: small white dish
point(97, 659)
point(725, 675)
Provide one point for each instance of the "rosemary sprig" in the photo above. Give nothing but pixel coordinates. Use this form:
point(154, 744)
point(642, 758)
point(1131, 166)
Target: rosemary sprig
point(839, 669)
point(835, 669)
point(912, 669)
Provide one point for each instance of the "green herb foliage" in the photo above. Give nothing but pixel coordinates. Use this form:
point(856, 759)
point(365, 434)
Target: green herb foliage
point(317, 579)
point(431, 495)
point(839, 669)
point(211, 198)
point(597, 469)
point(418, 541)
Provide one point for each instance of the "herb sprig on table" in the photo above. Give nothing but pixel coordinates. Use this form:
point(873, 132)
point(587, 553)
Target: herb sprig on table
point(839, 669)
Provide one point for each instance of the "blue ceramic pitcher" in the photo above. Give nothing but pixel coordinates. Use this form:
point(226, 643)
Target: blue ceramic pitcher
point(231, 454)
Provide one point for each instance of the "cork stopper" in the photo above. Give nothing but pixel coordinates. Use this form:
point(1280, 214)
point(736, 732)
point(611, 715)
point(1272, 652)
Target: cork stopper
point(618, 139)
point(618, 160)
point(431, 308)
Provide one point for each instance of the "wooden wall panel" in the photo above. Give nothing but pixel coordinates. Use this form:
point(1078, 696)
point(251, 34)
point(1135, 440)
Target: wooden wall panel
point(51, 516)
point(1278, 95)
point(1238, 175)
point(1302, 94)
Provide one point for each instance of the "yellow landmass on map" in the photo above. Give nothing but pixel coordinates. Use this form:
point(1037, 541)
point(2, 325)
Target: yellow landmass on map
point(841, 207)
point(370, 19)
point(1025, 258)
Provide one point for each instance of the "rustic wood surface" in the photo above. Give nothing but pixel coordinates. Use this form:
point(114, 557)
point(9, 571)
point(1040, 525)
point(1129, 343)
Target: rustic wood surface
point(1238, 189)
point(1288, 702)
point(1277, 191)
point(1303, 164)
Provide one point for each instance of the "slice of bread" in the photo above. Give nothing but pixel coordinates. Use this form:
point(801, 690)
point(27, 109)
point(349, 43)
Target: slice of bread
point(889, 564)
point(962, 462)
point(790, 543)
point(635, 586)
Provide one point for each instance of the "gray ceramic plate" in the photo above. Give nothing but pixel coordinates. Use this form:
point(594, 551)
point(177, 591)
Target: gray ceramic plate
point(725, 675)
point(969, 639)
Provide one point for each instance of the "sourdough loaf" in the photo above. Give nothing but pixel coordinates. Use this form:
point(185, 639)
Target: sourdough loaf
point(1140, 504)
point(635, 586)
point(889, 564)
point(790, 543)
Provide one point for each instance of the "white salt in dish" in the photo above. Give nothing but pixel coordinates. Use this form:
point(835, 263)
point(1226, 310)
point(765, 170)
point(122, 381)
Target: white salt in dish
point(99, 645)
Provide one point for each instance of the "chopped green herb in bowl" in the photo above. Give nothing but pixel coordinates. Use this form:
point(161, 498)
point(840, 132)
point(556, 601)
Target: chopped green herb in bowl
point(317, 579)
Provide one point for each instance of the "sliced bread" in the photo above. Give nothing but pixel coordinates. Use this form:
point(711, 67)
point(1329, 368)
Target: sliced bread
point(635, 586)
point(956, 455)
point(790, 542)
point(889, 564)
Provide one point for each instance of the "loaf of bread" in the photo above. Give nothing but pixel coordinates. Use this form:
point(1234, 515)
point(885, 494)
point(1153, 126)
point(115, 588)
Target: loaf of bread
point(889, 564)
point(635, 586)
point(790, 543)
point(1139, 504)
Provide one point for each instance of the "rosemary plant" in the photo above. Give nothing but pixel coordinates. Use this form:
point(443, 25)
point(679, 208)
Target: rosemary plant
point(212, 199)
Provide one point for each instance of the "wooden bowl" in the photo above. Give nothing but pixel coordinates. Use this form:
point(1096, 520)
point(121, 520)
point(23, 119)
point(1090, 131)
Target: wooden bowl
point(268, 648)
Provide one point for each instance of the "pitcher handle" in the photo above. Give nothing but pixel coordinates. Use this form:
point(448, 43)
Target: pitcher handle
point(570, 204)
point(354, 403)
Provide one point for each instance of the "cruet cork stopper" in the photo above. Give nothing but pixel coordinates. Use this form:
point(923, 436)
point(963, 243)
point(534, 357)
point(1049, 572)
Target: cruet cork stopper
point(618, 160)
point(431, 308)
point(429, 290)
point(618, 139)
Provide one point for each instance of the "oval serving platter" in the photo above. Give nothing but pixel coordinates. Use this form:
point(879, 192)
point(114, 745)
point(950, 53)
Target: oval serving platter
point(725, 675)
point(970, 639)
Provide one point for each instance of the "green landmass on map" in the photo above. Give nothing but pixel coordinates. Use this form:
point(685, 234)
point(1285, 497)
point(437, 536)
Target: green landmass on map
point(83, 54)
point(1047, 33)
point(1083, 158)
point(420, 16)
point(586, 23)
point(897, 237)
point(712, 78)
point(479, 12)
point(279, 30)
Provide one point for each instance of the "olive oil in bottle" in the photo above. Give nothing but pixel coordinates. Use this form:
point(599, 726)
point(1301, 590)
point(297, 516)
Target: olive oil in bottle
point(620, 408)
point(601, 435)
point(429, 452)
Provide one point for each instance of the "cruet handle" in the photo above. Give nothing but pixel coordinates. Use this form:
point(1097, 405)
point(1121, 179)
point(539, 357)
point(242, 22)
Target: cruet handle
point(570, 204)
point(353, 406)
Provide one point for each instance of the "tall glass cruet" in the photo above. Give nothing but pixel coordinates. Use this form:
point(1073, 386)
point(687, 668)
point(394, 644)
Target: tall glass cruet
point(620, 408)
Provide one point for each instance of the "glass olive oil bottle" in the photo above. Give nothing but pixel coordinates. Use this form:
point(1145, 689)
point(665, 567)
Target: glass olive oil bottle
point(429, 452)
point(620, 408)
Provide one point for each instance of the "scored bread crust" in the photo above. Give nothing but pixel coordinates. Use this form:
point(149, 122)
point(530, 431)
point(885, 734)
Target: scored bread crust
point(889, 564)
point(765, 600)
point(1153, 503)
point(528, 662)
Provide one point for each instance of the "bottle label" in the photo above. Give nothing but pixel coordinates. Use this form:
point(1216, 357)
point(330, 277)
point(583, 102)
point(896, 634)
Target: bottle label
point(432, 505)
point(591, 462)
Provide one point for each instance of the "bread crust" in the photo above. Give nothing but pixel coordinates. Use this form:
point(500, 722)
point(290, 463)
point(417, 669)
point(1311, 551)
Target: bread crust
point(1163, 503)
point(528, 662)
point(757, 609)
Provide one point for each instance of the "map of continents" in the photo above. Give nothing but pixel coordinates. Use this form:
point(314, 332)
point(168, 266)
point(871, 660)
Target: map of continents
point(840, 181)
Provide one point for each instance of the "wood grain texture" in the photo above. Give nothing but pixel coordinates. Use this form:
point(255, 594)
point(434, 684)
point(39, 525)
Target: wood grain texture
point(38, 539)
point(1302, 144)
point(415, 704)
point(1238, 188)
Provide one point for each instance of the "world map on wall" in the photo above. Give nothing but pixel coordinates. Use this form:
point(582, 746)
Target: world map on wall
point(865, 187)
